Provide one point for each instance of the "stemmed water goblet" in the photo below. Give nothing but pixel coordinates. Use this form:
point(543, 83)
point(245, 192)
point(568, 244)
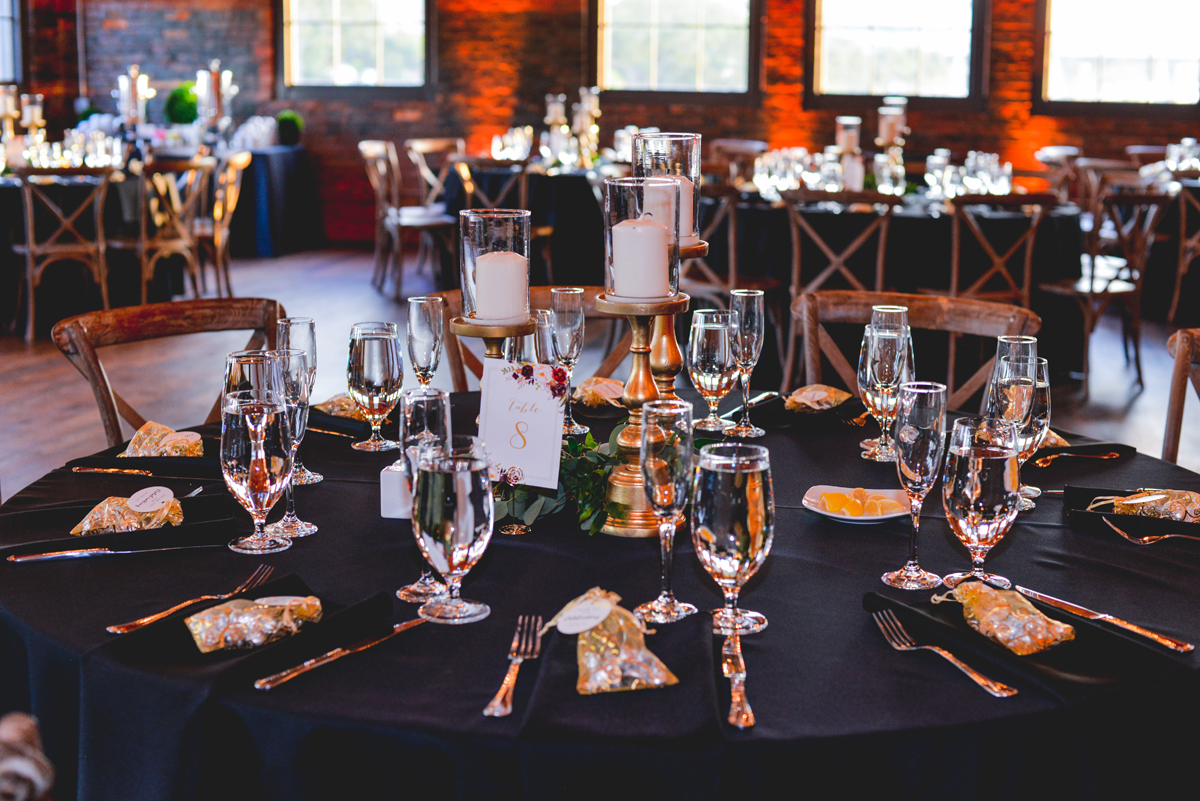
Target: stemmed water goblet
point(453, 516)
point(567, 305)
point(748, 304)
point(712, 361)
point(1016, 347)
point(293, 366)
point(881, 368)
point(300, 332)
point(1031, 379)
point(424, 422)
point(666, 455)
point(979, 490)
point(252, 370)
point(256, 460)
point(425, 336)
point(374, 377)
point(733, 524)
point(920, 444)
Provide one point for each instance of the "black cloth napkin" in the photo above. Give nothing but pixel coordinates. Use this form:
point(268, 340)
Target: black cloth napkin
point(1077, 499)
point(166, 466)
point(340, 425)
point(1096, 662)
point(775, 414)
point(163, 669)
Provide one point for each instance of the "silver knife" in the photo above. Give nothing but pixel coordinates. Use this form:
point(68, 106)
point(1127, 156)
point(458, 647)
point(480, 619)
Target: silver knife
point(1084, 612)
point(82, 553)
point(734, 668)
point(762, 397)
point(275, 679)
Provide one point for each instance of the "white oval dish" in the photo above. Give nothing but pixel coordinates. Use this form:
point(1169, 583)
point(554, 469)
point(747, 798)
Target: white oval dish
point(812, 502)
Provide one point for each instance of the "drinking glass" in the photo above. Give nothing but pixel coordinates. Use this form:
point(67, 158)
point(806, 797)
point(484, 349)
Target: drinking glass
point(748, 304)
point(1036, 425)
point(374, 376)
point(567, 305)
point(424, 337)
point(712, 361)
point(452, 522)
point(256, 460)
point(252, 370)
point(300, 332)
point(1008, 346)
point(733, 523)
point(920, 444)
point(881, 366)
point(666, 454)
point(979, 490)
point(538, 347)
point(293, 365)
point(424, 421)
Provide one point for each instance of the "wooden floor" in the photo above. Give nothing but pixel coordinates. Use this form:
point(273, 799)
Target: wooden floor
point(49, 415)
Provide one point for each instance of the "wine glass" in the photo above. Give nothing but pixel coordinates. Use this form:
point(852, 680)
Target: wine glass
point(300, 332)
point(920, 444)
point(252, 370)
point(374, 375)
point(293, 365)
point(424, 421)
point(536, 348)
point(886, 315)
point(979, 490)
point(567, 335)
point(712, 361)
point(1036, 424)
point(256, 460)
point(424, 336)
point(748, 304)
point(1008, 346)
point(733, 523)
point(666, 454)
point(452, 522)
point(880, 370)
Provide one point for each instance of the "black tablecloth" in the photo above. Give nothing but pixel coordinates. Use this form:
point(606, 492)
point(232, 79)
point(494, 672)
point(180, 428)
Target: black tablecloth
point(837, 708)
point(278, 211)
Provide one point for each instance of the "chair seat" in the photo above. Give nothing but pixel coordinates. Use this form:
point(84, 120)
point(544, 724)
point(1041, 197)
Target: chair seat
point(417, 217)
point(1083, 286)
point(59, 250)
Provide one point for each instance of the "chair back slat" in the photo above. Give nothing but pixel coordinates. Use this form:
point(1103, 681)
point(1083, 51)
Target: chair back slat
point(1017, 285)
point(432, 185)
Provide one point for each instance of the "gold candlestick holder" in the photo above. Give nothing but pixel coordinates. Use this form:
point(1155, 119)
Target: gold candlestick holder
point(493, 336)
point(666, 360)
point(634, 517)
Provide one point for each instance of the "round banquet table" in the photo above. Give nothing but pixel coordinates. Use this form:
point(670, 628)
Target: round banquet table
point(837, 708)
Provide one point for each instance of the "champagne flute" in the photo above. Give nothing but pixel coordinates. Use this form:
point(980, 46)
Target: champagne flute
point(712, 361)
point(979, 490)
point(880, 370)
point(536, 348)
point(666, 454)
point(300, 332)
point(1036, 425)
point(424, 421)
point(293, 365)
point(567, 305)
point(424, 336)
point(748, 304)
point(375, 375)
point(733, 524)
point(920, 443)
point(452, 522)
point(256, 460)
point(907, 374)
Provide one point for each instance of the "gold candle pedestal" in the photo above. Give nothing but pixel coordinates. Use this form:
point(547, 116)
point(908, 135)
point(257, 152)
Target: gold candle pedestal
point(493, 336)
point(666, 360)
point(625, 485)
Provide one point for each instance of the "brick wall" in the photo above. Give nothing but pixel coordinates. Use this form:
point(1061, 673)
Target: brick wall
point(498, 58)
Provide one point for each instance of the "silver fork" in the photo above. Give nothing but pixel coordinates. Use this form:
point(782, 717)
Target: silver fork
point(1149, 539)
point(526, 644)
point(899, 639)
point(257, 579)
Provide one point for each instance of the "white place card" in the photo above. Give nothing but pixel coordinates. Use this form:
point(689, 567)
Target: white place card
point(521, 419)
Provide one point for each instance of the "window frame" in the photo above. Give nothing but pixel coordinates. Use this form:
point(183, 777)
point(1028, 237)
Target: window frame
point(19, 42)
point(426, 91)
point(977, 88)
point(754, 67)
point(1089, 108)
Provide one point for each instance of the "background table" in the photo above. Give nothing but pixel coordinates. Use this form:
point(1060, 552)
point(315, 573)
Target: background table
point(837, 708)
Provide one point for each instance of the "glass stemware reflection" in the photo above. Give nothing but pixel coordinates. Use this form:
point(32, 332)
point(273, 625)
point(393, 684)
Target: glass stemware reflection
point(374, 377)
point(256, 461)
point(920, 443)
point(424, 422)
point(293, 365)
point(666, 456)
point(881, 367)
point(748, 304)
point(300, 332)
point(453, 517)
point(712, 361)
point(535, 348)
point(424, 328)
point(733, 524)
point(979, 490)
point(567, 305)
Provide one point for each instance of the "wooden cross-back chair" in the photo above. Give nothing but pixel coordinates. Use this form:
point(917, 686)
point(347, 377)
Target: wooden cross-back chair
point(1017, 286)
point(513, 193)
point(1060, 163)
point(1189, 246)
point(460, 359)
point(212, 232)
point(65, 242)
point(78, 338)
point(433, 184)
point(953, 315)
point(1184, 346)
point(1146, 154)
point(880, 205)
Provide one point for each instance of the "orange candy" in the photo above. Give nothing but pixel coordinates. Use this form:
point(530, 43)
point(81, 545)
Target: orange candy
point(859, 502)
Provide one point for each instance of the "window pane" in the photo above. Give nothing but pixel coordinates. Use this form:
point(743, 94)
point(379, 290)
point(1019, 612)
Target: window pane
point(8, 71)
point(628, 62)
point(725, 61)
point(357, 42)
point(677, 60)
point(403, 57)
point(314, 54)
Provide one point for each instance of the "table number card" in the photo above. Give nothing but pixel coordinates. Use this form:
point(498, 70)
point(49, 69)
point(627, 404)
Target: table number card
point(521, 419)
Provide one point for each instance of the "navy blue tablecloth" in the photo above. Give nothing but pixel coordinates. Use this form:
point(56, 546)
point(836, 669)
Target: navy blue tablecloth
point(278, 211)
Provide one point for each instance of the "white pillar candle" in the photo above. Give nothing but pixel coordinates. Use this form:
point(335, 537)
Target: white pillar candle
point(658, 200)
point(32, 115)
point(639, 255)
point(502, 287)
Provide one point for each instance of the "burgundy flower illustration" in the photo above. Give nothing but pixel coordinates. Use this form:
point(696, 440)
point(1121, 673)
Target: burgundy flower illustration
point(560, 375)
point(558, 390)
point(527, 372)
